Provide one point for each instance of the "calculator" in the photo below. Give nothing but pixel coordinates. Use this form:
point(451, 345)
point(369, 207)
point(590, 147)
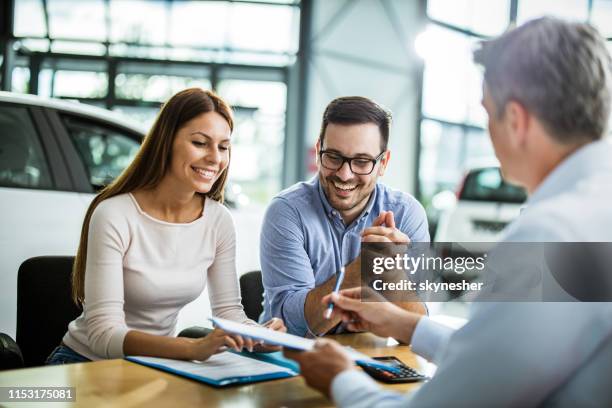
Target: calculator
point(405, 375)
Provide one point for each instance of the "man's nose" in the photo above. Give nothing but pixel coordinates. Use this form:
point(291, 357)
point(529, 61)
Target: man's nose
point(344, 172)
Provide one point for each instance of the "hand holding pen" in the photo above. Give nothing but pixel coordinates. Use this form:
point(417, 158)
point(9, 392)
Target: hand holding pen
point(339, 279)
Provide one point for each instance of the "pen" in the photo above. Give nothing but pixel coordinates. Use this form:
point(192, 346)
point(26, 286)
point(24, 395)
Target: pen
point(339, 280)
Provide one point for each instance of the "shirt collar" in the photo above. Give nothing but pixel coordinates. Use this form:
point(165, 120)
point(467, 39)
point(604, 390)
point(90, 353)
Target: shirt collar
point(582, 163)
point(368, 208)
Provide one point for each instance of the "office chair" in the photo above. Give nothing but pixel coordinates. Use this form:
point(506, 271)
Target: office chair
point(44, 306)
point(251, 291)
point(10, 353)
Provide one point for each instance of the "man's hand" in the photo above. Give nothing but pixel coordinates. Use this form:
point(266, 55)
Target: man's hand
point(314, 310)
point(383, 230)
point(322, 364)
point(377, 315)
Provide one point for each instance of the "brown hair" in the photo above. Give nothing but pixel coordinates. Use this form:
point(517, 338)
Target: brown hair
point(152, 162)
point(357, 110)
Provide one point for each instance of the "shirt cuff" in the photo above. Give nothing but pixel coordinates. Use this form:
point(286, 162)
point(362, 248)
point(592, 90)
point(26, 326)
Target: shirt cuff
point(429, 338)
point(345, 385)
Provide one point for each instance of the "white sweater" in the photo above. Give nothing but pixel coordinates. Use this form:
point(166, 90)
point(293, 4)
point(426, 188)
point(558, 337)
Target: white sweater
point(141, 271)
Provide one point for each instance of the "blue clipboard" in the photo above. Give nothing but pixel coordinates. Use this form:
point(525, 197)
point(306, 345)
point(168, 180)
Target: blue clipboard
point(272, 358)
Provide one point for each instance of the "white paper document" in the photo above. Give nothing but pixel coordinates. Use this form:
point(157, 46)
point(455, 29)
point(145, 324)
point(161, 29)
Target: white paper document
point(286, 340)
point(218, 366)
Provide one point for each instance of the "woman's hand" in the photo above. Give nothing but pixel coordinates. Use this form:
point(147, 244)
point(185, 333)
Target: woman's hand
point(215, 342)
point(275, 324)
point(242, 342)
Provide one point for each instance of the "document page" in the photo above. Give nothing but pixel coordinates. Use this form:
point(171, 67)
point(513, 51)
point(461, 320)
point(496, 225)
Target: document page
point(262, 333)
point(288, 340)
point(218, 366)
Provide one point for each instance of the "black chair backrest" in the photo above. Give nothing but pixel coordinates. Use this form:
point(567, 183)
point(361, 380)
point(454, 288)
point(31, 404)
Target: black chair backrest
point(251, 291)
point(44, 306)
point(10, 354)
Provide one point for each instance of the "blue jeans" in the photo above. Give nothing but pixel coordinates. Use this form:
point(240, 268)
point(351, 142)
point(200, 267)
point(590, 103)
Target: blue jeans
point(65, 355)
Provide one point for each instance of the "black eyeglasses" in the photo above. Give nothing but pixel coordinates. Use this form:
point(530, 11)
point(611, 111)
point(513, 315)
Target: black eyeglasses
point(358, 165)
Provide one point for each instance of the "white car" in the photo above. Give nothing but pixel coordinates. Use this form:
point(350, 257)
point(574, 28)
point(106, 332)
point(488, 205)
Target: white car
point(485, 204)
point(53, 156)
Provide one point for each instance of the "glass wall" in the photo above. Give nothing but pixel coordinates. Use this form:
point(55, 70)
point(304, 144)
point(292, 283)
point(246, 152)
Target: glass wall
point(453, 125)
point(129, 56)
point(257, 145)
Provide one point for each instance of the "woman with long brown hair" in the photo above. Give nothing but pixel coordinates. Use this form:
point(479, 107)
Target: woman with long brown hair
point(154, 238)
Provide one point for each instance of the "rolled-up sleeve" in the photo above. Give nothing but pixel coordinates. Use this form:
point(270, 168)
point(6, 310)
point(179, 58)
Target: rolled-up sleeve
point(286, 269)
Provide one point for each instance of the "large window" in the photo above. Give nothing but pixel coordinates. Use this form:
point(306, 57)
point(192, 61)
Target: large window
point(130, 56)
point(248, 32)
point(257, 143)
point(453, 125)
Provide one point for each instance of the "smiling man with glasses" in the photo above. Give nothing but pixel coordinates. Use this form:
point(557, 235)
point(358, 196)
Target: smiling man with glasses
point(314, 228)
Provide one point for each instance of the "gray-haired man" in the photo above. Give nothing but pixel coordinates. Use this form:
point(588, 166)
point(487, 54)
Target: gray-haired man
point(547, 94)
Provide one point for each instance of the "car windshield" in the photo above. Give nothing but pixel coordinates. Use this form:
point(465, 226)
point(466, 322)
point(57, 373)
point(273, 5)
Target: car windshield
point(488, 185)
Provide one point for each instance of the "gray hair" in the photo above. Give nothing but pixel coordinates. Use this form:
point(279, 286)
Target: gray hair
point(559, 70)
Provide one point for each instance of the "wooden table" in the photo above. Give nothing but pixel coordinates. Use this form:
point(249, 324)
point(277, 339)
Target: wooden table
point(120, 383)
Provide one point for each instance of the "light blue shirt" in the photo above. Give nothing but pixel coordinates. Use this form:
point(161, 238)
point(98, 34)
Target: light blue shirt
point(522, 354)
point(304, 243)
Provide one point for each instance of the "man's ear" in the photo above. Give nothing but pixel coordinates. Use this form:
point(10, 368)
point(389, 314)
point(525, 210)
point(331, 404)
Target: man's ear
point(517, 122)
point(384, 162)
point(317, 150)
